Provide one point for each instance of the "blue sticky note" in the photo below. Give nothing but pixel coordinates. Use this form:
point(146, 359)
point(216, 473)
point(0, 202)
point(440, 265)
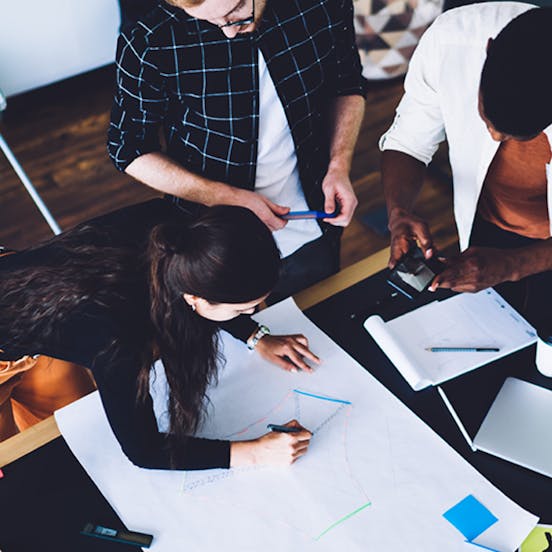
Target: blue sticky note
point(470, 517)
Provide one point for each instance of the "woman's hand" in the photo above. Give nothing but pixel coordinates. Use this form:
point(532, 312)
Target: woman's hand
point(287, 351)
point(273, 449)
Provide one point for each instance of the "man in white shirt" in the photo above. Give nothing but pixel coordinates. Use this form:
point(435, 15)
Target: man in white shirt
point(480, 79)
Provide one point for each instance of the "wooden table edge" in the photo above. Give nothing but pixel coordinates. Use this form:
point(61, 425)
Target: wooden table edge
point(29, 440)
point(47, 430)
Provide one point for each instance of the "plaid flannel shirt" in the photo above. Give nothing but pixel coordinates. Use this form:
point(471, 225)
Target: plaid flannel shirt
point(183, 74)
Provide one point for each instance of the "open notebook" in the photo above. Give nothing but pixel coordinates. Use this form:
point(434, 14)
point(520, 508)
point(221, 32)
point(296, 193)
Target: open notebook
point(475, 320)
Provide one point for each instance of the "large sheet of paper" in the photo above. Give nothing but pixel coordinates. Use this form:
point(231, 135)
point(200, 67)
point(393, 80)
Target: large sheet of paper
point(375, 477)
point(482, 319)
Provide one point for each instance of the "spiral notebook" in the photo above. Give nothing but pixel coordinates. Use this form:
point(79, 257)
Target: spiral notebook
point(466, 320)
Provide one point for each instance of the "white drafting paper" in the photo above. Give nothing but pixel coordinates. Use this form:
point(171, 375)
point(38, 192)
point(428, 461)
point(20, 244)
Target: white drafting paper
point(375, 477)
point(482, 319)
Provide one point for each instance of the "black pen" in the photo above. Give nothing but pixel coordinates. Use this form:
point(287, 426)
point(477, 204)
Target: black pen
point(284, 429)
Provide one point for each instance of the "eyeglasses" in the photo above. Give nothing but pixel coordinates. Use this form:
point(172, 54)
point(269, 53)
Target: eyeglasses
point(241, 22)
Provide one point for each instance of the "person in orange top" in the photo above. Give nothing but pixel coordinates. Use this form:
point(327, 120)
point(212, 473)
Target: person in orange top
point(33, 387)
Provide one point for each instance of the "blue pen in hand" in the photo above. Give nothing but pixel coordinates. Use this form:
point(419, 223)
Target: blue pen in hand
point(284, 429)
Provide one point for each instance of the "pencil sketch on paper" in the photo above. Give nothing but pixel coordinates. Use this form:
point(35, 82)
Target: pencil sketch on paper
point(313, 411)
point(331, 472)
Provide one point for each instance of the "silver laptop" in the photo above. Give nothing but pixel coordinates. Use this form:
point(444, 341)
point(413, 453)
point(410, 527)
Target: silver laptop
point(518, 427)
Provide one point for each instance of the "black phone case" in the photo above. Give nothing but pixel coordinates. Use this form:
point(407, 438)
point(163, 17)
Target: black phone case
point(415, 267)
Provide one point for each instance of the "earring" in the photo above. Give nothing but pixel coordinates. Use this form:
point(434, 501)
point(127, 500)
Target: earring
point(193, 307)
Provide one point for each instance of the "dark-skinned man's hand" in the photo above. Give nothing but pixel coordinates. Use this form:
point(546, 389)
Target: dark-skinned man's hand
point(407, 229)
point(477, 268)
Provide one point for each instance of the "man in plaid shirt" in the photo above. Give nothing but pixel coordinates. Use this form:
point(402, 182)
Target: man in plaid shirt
point(260, 102)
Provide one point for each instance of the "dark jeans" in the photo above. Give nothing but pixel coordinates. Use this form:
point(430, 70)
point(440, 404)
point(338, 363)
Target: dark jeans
point(311, 263)
point(530, 296)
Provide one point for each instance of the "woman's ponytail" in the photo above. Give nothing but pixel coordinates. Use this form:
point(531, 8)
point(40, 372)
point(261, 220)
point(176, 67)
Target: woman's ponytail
point(186, 341)
point(227, 255)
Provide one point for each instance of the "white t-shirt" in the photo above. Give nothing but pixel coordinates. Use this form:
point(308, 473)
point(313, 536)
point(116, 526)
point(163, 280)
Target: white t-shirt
point(277, 173)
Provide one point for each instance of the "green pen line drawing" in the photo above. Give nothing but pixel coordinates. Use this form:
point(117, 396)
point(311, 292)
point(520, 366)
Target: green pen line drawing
point(344, 518)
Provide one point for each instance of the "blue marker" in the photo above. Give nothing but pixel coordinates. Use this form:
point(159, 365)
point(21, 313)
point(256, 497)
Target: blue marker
point(297, 215)
point(284, 429)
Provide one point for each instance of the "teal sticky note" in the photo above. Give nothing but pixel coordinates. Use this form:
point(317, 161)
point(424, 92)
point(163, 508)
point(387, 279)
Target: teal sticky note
point(470, 517)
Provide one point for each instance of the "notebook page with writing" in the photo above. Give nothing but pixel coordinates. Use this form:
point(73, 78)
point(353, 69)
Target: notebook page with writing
point(482, 319)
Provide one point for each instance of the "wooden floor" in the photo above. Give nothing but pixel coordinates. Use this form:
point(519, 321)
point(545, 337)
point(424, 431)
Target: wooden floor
point(58, 134)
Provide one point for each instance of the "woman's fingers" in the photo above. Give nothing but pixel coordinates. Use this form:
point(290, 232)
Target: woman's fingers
point(290, 352)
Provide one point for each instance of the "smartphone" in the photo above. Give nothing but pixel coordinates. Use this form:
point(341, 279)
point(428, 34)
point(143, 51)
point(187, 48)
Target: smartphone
point(297, 215)
point(414, 273)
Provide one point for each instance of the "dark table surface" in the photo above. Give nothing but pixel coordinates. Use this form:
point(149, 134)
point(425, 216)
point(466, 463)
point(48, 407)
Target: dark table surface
point(342, 317)
point(46, 497)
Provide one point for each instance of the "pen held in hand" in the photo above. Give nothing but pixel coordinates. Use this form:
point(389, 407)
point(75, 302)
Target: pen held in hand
point(284, 429)
point(463, 349)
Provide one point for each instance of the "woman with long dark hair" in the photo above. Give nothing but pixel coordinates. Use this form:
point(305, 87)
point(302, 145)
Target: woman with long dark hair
point(149, 282)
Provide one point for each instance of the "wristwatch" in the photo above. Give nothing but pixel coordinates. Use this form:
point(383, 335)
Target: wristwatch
point(257, 336)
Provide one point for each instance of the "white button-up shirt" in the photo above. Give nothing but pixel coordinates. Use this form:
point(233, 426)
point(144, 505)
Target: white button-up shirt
point(440, 102)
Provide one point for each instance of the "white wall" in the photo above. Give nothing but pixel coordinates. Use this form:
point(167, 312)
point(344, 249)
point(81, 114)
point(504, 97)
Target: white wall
point(43, 41)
